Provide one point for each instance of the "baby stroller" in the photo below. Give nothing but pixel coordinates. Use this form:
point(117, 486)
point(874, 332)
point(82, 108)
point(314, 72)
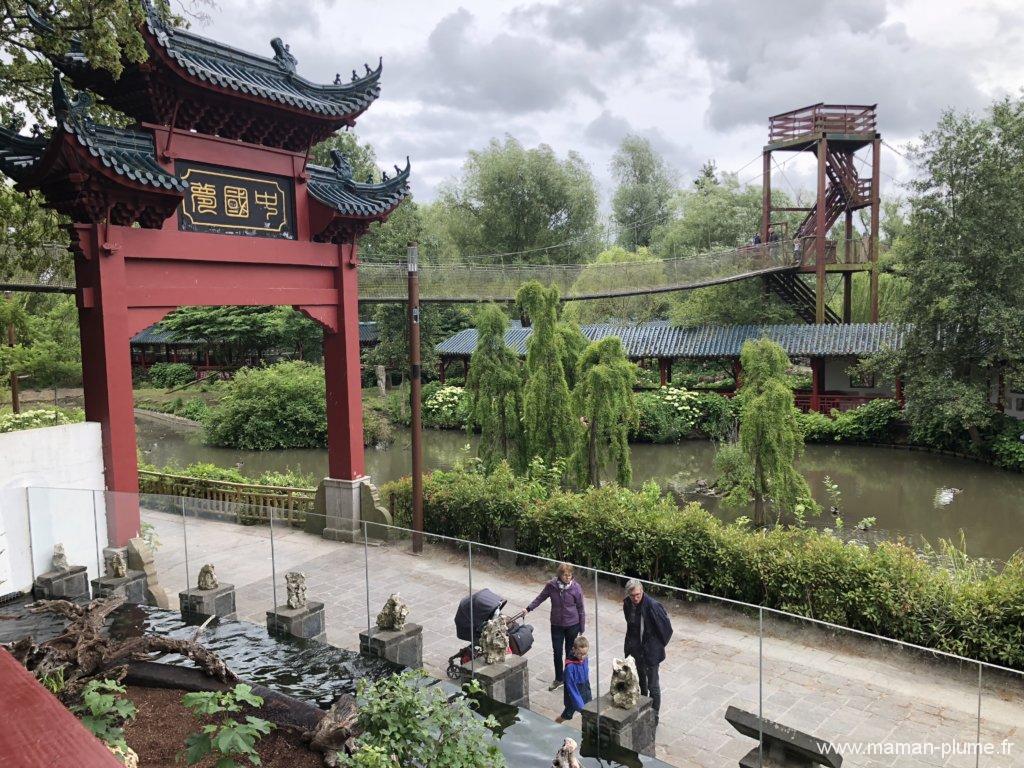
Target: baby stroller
point(485, 606)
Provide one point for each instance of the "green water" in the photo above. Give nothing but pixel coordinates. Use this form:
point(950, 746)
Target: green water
point(910, 493)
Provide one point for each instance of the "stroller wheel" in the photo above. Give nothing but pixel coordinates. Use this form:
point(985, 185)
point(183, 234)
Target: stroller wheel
point(453, 671)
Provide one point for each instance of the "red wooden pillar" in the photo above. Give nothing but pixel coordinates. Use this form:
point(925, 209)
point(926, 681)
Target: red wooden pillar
point(107, 373)
point(441, 366)
point(899, 391)
point(663, 371)
point(817, 382)
point(737, 373)
point(345, 458)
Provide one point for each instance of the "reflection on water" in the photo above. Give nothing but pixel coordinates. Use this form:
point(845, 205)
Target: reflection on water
point(911, 493)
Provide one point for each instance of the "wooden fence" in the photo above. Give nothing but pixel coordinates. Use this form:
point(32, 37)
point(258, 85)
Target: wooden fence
point(239, 502)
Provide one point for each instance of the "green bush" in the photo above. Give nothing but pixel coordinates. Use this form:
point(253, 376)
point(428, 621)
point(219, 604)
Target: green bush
point(671, 414)
point(40, 417)
point(169, 375)
point(377, 430)
point(888, 589)
point(396, 406)
point(873, 422)
point(280, 406)
point(203, 470)
point(446, 407)
point(1007, 447)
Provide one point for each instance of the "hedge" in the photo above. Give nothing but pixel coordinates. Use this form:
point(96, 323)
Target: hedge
point(888, 589)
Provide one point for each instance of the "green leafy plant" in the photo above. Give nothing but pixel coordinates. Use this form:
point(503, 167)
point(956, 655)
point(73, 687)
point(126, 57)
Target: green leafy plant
point(40, 417)
point(148, 533)
point(229, 740)
point(105, 710)
point(408, 723)
point(169, 375)
point(53, 681)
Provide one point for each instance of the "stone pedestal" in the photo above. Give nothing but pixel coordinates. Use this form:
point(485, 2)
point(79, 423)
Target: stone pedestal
point(630, 728)
point(507, 682)
point(404, 647)
point(132, 585)
point(307, 623)
point(201, 604)
point(71, 584)
point(140, 558)
point(337, 505)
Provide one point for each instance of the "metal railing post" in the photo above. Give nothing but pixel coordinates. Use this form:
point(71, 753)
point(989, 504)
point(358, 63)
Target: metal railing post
point(28, 519)
point(760, 686)
point(366, 576)
point(977, 751)
point(184, 539)
point(597, 657)
point(472, 623)
point(273, 559)
point(96, 536)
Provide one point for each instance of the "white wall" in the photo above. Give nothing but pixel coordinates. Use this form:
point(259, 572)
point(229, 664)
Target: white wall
point(837, 379)
point(51, 483)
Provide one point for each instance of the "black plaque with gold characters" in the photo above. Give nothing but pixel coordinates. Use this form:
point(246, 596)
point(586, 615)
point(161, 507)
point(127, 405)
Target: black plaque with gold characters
point(234, 202)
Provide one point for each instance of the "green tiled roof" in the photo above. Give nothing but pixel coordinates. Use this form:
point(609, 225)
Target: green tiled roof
point(661, 339)
point(156, 334)
point(268, 78)
point(19, 154)
point(335, 187)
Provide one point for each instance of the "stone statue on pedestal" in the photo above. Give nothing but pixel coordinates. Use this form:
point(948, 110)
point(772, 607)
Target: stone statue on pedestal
point(60, 559)
point(295, 581)
point(207, 578)
point(116, 566)
point(392, 616)
point(625, 687)
point(494, 640)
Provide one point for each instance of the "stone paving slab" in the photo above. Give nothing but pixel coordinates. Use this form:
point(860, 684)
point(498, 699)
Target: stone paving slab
point(841, 688)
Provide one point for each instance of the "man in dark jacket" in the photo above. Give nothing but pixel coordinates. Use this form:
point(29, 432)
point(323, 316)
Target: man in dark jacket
point(648, 631)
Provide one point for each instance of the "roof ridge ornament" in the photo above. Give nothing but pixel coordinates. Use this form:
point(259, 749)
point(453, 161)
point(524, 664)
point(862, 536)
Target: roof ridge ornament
point(64, 106)
point(283, 56)
point(342, 167)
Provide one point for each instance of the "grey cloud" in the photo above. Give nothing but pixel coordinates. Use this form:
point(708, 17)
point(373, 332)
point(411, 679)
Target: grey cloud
point(598, 24)
point(765, 61)
point(507, 74)
point(608, 131)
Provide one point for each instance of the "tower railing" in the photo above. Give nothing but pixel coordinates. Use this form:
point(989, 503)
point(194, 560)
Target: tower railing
point(822, 118)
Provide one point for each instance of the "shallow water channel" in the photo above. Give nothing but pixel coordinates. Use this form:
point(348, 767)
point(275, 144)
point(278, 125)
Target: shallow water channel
point(916, 495)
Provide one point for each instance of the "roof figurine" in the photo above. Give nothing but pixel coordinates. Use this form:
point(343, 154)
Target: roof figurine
point(231, 93)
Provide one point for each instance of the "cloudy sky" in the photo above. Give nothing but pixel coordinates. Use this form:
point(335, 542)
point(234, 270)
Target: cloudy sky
point(699, 78)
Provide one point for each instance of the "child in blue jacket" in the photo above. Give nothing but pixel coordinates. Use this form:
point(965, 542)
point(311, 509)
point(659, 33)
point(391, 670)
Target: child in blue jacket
point(577, 680)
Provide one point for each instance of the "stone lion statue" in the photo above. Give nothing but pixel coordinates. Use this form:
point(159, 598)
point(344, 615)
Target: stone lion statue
point(392, 616)
point(295, 581)
point(625, 686)
point(60, 558)
point(566, 755)
point(207, 577)
point(494, 640)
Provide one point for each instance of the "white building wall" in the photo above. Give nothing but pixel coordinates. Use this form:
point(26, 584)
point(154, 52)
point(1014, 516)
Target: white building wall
point(838, 380)
point(1014, 403)
point(51, 491)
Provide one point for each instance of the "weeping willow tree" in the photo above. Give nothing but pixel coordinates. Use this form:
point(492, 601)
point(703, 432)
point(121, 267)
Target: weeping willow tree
point(603, 400)
point(495, 385)
point(548, 424)
point(770, 437)
point(571, 342)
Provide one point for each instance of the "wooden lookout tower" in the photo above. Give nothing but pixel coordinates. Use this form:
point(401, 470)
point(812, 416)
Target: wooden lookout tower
point(835, 134)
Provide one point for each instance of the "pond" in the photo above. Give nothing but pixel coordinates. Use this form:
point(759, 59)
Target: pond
point(917, 495)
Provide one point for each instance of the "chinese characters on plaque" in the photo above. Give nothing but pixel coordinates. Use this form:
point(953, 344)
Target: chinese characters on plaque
point(235, 202)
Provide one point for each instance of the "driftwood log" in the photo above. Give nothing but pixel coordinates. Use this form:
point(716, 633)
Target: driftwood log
point(84, 651)
point(336, 732)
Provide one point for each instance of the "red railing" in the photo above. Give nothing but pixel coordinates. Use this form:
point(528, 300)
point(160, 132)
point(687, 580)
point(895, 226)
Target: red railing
point(822, 118)
point(833, 402)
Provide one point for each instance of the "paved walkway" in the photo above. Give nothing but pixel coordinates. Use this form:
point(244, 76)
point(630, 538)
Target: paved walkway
point(840, 688)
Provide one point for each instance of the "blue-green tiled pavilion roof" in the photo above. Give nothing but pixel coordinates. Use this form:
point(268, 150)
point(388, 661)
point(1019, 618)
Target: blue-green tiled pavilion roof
point(336, 188)
point(267, 78)
point(661, 339)
point(155, 334)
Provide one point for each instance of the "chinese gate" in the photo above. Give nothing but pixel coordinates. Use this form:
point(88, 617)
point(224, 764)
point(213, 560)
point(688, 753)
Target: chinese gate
point(208, 200)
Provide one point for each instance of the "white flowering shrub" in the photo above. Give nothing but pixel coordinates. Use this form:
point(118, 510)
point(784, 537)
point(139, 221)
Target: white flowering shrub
point(40, 417)
point(446, 408)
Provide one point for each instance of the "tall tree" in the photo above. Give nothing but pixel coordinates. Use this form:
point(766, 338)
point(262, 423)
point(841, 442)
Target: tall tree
point(547, 408)
point(770, 437)
point(642, 199)
point(964, 257)
point(524, 202)
point(603, 400)
point(614, 270)
point(718, 214)
point(495, 385)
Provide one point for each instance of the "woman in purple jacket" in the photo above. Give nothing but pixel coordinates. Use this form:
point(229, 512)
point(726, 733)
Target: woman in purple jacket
point(568, 614)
